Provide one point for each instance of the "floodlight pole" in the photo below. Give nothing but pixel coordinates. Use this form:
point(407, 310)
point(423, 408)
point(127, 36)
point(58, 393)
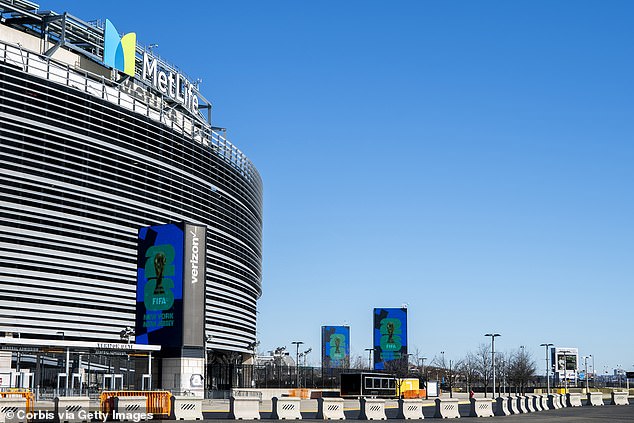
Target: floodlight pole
point(369, 350)
point(547, 367)
point(297, 343)
point(493, 335)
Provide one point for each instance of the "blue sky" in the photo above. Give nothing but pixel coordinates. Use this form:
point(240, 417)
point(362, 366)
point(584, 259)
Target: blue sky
point(470, 159)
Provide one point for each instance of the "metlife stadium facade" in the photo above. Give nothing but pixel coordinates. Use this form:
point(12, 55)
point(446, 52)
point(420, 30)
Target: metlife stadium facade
point(90, 156)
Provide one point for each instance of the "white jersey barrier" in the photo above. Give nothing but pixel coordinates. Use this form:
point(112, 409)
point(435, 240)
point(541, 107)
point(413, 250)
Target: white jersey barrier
point(562, 399)
point(553, 402)
point(595, 398)
point(512, 402)
point(186, 408)
point(72, 409)
point(481, 407)
point(447, 408)
point(574, 400)
point(13, 409)
point(244, 408)
point(534, 400)
point(410, 409)
point(540, 402)
point(502, 406)
point(619, 398)
point(372, 409)
point(521, 404)
point(130, 408)
point(330, 409)
point(286, 408)
point(528, 403)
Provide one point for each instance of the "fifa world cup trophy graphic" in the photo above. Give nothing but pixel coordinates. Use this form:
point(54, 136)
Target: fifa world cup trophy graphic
point(390, 332)
point(159, 267)
point(337, 345)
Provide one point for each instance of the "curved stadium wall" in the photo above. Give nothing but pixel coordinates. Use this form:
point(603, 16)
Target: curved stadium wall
point(80, 174)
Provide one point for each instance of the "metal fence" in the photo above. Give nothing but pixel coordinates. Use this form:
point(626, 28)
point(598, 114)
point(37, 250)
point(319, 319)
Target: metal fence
point(224, 377)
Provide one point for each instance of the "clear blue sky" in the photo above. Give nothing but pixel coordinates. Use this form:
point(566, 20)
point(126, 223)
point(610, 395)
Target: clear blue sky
point(473, 159)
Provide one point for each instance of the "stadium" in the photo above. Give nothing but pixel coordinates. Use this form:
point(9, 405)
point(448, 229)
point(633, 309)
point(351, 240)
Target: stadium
point(90, 155)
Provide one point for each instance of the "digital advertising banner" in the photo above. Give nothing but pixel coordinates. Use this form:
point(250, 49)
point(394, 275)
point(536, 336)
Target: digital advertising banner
point(390, 336)
point(565, 362)
point(171, 285)
point(335, 346)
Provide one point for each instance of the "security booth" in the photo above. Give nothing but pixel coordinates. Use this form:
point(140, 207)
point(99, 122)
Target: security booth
point(59, 367)
point(376, 385)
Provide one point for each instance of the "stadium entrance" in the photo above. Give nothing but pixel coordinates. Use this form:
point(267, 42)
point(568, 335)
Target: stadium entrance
point(52, 367)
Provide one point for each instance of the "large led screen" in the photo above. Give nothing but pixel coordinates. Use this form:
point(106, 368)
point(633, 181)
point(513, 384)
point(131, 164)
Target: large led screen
point(159, 294)
point(390, 336)
point(335, 346)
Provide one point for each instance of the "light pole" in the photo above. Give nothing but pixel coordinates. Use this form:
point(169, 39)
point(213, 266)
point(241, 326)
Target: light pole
point(423, 374)
point(308, 351)
point(585, 361)
point(297, 343)
point(444, 367)
point(450, 384)
point(546, 345)
point(493, 335)
point(125, 334)
point(369, 350)
point(594, 374)
point(206, 365)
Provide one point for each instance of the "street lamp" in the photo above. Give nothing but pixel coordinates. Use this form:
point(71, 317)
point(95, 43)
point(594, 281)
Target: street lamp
point(297, 343)
point(493, 335)
point(208, 338)
point(308, 351)
point(369, 350)
point(424, 373)
point(546, 345)
point(585, 360)
point(125, 334)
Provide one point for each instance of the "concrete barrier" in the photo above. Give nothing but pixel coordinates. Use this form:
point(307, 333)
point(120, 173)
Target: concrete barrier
point(553, 402)
point(330, 409)
point(534, 403)
point(372, 409)
point(512, 402)
point(410, 409)
point(447, 408)
point(529, 403)
point(502, 406)
point(574, 399)
point(619, 398)
point(13, 409)
point(286, 408)
point(521, 404)
point(562, 400)
point(186, 408)
point(595, 399)
point(72, 409)
point(244, 408)
point(481, 407)
point(130, 408)
point(538, 402)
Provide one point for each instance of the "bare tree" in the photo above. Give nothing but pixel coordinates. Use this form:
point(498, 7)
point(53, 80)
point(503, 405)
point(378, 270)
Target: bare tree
point(483, 365)
point(359, 362)
point(469, 369)
point(502, 363)
point(440, 366)
point(522, 369)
